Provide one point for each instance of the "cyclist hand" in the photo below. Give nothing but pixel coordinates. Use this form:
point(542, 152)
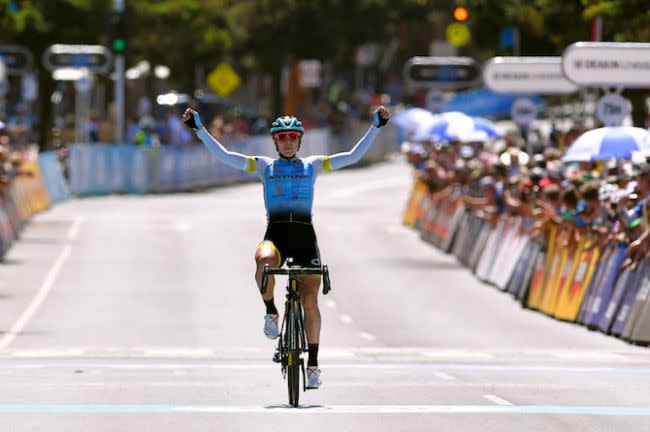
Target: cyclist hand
point(380, 117)
point(192, 119)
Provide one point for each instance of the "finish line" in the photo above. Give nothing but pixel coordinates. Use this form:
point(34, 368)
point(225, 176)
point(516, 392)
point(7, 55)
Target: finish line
point(334, 409)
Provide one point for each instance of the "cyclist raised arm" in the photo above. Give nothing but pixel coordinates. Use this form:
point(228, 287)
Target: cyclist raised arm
point(288, 196)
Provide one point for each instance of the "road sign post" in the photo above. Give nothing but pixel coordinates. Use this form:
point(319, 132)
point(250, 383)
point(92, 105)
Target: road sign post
point(523, 113)
point(608, 65)
point(4, 88)
point(83, 61)
point(612, 109)
point(83, 86)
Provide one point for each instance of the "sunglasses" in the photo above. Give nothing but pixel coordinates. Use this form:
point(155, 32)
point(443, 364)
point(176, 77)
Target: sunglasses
point(287, 136)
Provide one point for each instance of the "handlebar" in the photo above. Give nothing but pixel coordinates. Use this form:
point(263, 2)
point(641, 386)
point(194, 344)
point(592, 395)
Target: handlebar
point(297, 271)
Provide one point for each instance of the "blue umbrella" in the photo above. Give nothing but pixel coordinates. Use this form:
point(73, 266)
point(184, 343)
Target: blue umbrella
point(456, 125)
point(615, 142)
point(415, 122)
point(411, 117)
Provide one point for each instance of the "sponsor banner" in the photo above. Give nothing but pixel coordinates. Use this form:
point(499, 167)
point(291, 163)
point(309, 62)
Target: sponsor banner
point(527, 75)
point(607, 64)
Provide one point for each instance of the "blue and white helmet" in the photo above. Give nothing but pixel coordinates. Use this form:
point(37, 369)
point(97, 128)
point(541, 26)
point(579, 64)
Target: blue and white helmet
point(286, 124)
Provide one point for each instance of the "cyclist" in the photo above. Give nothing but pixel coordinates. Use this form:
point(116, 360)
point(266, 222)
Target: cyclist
point(288, 195)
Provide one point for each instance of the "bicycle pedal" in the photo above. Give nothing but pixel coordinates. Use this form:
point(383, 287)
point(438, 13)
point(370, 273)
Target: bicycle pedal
point(277, 358)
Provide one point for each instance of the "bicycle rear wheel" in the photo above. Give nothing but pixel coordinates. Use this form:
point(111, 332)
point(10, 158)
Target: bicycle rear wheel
point(293, 377)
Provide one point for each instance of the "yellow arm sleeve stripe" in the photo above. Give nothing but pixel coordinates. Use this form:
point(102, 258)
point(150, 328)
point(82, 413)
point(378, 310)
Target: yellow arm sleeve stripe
point(251, 165)
point(327, 165)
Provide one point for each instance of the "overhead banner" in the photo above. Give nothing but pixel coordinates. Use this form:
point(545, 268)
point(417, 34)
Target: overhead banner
point(441, 72)
point(95, 58)
point(17, 59)
point(607, 64)
point(526, 75)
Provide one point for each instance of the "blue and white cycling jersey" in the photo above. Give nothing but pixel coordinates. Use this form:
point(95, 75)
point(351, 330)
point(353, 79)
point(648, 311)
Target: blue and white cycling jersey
point(288, 184)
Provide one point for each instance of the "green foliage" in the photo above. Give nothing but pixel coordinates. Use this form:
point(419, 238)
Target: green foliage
point(624, 20)
point(268, 34)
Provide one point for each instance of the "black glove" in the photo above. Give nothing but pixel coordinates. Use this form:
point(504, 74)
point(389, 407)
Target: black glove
point(378, 121)
point(194, 121)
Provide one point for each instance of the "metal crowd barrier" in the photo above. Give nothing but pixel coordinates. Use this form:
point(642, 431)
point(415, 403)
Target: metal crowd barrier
point(578, 282)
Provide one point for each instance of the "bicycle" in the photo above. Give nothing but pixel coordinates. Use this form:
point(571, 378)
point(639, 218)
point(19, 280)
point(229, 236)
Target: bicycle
point(292, 342)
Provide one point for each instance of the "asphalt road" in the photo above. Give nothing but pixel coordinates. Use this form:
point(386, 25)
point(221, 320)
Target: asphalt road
point(128, 313)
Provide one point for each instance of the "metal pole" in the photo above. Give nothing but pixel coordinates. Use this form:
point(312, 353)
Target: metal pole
point(118, 6)
point(516, 45)
point(4, 83)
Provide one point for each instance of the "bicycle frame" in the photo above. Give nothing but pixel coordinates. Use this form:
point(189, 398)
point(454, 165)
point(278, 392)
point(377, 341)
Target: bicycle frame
point(293, 339)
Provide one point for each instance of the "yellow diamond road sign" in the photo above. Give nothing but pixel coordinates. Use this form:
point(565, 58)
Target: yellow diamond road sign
point(223, 79)
point(457, 34)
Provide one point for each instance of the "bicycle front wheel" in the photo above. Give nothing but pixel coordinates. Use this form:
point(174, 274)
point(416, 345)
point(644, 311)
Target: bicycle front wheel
point(293, 377)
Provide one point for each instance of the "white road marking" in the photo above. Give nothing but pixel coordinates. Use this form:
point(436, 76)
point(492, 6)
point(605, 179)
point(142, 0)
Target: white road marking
point(491, 359)
point(444, 376)
point(346, 319)
point(497, 400)
point(367, 336)
point(331, 409)
point(330, 303)
point(38, 300)
point(73, 232)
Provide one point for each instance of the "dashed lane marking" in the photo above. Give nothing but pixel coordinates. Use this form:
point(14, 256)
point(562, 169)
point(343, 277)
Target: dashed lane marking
point(346, 319)
point(444, 376)
point(73, 232)
point(38, 300)
point(497, 400)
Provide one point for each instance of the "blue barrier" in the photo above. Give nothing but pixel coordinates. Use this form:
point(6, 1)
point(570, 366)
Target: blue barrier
point(55, 184)
point(99, 169)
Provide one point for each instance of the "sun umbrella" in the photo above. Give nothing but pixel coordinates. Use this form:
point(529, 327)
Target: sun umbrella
point(613, 142)
point(456, 125)
point(416, 123)
point(412, 116)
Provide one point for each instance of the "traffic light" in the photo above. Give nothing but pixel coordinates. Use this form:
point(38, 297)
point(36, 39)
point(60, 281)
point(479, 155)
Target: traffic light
point(117, 32)
point(461, 14)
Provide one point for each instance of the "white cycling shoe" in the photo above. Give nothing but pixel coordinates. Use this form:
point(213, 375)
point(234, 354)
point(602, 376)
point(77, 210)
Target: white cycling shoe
point(271, 326)
point(313, 377)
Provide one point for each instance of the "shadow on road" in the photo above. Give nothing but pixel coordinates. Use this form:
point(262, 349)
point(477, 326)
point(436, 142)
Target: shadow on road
point(284, 406)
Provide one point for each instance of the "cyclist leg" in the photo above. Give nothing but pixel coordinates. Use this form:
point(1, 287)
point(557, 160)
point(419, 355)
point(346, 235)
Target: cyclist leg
point(266, 253)
point(309, 294)
point(309, 288)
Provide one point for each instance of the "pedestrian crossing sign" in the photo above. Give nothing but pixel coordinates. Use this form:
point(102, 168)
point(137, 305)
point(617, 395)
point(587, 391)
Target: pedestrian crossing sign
point(223, 79)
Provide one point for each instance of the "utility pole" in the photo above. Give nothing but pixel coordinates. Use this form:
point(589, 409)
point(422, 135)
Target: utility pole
point(119, 8)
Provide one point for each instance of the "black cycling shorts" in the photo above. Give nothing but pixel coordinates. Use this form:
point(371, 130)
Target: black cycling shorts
point(296, 240)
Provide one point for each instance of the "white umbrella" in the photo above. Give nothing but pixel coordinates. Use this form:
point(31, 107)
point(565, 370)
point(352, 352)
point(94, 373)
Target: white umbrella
point(613, 142)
